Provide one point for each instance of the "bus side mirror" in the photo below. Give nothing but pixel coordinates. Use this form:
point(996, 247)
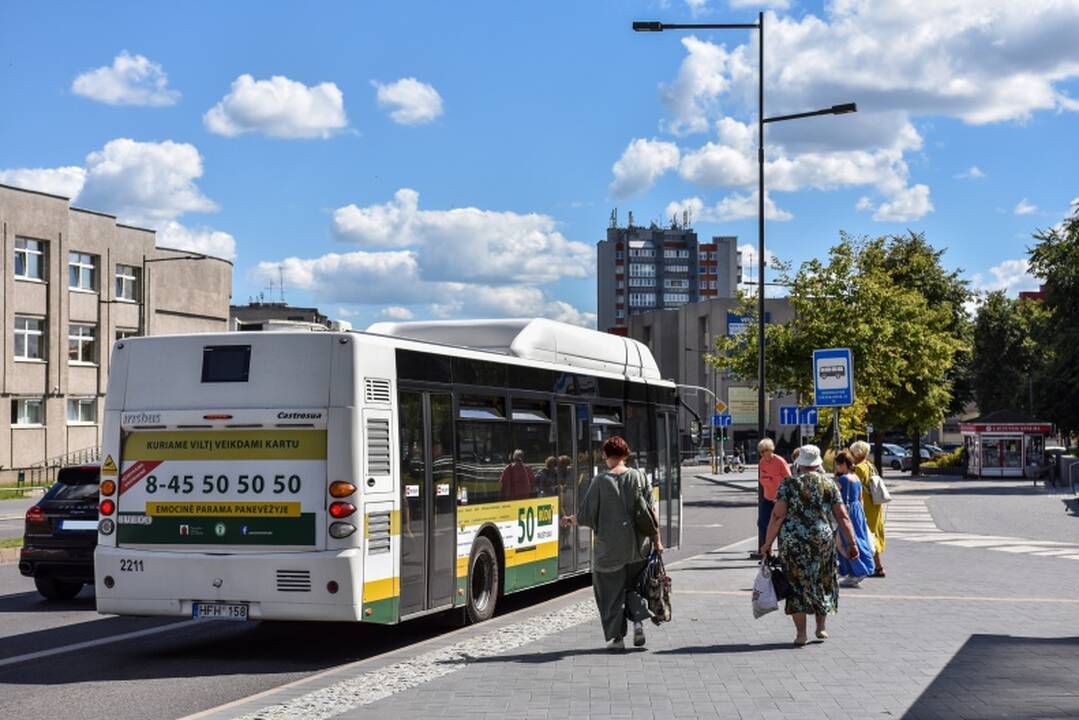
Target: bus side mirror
point(695, 431)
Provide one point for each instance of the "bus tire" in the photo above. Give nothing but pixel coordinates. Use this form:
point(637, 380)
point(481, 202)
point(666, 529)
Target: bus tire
point(483, 581)
point(57, 590)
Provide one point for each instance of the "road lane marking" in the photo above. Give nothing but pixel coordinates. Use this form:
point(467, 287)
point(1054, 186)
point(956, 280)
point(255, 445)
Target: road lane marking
point(95, 643)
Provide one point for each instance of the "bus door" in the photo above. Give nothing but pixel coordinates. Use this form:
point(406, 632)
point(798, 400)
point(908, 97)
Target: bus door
point(669, 471)
point(428, 501)
point(574, 473)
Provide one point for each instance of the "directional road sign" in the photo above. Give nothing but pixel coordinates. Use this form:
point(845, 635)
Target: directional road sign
point(788, 414)
point(833, 377)
point(807, 416)
point(721, 420)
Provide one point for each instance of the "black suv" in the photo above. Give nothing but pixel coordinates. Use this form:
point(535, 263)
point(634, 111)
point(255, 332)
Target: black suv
point(61, 534)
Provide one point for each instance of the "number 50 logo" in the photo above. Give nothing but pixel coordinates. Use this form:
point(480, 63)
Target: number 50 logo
point(526, 524)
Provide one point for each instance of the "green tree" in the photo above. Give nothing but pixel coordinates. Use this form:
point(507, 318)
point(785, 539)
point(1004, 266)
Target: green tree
point(1008, 357)
point(870, 296)
point(1055, 260)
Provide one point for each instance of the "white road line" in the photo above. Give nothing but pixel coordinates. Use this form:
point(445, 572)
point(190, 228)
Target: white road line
point(95, 643)
point(12, 517)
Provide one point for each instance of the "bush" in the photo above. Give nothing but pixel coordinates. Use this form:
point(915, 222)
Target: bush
point(948, 460)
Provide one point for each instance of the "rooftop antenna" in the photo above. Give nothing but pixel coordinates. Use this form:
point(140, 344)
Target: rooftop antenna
point(614, 218)
point(281, 282)
point(630, 224)
point(685, 217)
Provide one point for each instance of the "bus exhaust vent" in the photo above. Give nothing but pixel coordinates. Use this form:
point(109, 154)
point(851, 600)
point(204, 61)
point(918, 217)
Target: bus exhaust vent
point(293, 581)
point(378, 533)
point(378, 446)
point(376, 391)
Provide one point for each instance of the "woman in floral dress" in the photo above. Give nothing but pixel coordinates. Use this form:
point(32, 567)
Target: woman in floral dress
point(807, 545)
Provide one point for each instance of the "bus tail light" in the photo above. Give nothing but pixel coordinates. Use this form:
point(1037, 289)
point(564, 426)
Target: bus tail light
point(340, 509)
point(107, 507)
point(341, 489)
point(106, 526)
point(108, 487)
point(35, 515)
point(341, 530)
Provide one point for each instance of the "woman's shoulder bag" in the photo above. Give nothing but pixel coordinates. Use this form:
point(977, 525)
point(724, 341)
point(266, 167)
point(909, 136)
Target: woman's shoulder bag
point(878, 491)
point(643, 518)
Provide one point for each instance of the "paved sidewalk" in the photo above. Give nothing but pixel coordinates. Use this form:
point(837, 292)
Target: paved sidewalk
point(952, 632)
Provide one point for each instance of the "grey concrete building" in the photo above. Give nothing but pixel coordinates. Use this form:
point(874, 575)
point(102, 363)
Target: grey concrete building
point(680, 338)
point(643, 269)
point(72, 281)
point(259, 315)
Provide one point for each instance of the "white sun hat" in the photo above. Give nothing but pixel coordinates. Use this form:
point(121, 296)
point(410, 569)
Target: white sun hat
point(809, 456)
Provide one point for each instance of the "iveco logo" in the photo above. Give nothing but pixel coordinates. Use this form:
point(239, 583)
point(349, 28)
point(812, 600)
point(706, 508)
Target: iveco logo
point(298, 415)
point(142, 418)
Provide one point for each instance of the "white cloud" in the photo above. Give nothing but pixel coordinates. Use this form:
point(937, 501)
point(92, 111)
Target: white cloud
point(972, 173)
point(642, 163)
point(278, 107)
point(63, 181)
point(1012, 276)
point(702, 78)
point(907, 204)
point(145, 182)
point(392, 278)
point(130, 80)
point(736, 206)
point(864, 203)
point(410, 101)
point(396, 312)
point(200, 240)
point(696, 7)
point(1025, 208)
point(467, 244)
point(777, 4)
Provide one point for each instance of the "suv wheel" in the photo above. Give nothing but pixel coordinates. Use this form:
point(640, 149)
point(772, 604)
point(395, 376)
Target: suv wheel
point(57, 590)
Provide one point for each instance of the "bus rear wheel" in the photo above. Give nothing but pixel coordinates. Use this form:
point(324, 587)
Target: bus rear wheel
point(482, 581)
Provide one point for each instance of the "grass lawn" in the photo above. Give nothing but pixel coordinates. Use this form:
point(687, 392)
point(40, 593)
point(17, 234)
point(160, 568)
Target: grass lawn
point(14, 493)
point(10, 542)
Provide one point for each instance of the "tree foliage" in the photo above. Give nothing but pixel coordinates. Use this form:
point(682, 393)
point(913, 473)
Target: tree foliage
point(1008, 360)
point(892, 303)
point(1055, 260)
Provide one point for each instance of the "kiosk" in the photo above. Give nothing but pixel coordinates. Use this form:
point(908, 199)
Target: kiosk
point(1003, 444)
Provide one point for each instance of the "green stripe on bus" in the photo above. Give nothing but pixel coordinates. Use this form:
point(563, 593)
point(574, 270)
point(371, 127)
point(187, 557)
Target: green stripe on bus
point(531, 574)
point(383, 612)
point(136, 528)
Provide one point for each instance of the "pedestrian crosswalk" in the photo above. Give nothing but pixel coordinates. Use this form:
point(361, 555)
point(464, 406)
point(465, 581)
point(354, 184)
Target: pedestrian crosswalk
point(908, 518)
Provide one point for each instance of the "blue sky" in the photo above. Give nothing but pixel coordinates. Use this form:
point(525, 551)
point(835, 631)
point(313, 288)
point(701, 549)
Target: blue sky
point(506, 132)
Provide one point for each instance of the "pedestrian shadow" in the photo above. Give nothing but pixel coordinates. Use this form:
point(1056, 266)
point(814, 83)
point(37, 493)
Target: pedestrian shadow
point(719, 503)
point(732, 648)
point(540, 658)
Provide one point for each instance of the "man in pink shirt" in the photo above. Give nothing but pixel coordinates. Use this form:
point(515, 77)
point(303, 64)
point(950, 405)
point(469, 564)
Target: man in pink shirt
point(771, 469)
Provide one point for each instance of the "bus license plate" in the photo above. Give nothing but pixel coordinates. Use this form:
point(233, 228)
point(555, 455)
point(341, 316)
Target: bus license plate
point(219, 611)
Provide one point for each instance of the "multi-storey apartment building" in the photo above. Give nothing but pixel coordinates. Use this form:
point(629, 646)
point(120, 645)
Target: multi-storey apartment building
point(641, 269)
point(73, 281)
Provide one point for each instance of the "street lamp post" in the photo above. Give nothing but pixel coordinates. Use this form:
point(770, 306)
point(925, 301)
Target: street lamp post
point(652, 26)
point(144, 281)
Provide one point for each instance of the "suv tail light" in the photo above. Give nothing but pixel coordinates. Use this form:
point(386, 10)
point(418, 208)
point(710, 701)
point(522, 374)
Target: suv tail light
point(35, 515)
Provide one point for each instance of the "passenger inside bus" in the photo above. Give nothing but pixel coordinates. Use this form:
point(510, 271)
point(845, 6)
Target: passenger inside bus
point(517, 479)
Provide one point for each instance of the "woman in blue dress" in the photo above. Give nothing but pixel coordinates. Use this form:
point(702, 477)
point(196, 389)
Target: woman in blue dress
point(850, 487)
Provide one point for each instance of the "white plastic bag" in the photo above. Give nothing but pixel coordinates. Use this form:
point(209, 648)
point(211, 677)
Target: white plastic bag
point(764, 593)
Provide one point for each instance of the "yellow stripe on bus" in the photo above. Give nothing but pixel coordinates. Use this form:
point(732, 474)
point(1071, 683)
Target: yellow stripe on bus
point(231, 509)
point(375, 590)
point(522, 556)
point(276, 444)
point(504, 511)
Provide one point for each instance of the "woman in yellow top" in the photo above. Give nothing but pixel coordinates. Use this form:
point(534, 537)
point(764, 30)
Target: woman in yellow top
point(874, 514)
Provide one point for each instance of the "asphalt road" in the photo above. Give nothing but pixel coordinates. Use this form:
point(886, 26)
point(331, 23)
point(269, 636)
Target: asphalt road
point(12, 514)
point(175, 668)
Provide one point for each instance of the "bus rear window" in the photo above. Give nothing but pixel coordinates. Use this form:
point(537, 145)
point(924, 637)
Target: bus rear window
point(225, 363)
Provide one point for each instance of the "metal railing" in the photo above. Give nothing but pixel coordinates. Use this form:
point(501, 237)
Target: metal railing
point(44, 473)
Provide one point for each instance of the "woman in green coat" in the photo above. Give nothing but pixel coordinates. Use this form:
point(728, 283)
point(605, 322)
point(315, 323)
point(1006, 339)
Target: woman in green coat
point(619, 553)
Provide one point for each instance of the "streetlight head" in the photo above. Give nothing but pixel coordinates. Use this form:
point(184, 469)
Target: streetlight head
point(647, 26)
point(844, 108)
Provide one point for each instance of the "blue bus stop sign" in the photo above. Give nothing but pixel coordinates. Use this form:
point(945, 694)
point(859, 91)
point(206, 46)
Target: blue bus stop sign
point(833, 377)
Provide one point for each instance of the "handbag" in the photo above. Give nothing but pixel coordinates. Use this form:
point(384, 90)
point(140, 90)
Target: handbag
point(643, 518)
point(878, 491)
point(654, 585)
point(764, 593)
point(780, 583)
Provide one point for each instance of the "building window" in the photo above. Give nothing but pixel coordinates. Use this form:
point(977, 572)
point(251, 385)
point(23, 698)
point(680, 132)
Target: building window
point(619, 255)
point(29, 259)
point(642, 299)
point(619, 298)
point(123, 334)
point(82, 411)
point(676, 254)
point(642, 270)
point(81, 272)
point(28, 411)
point(621, 284)
point(676, 284)
point(127, 282)
point(675, 298)
point(29, 338)
point(642, 282)
point(678, 268)
point(620, 314)
point(82, 344)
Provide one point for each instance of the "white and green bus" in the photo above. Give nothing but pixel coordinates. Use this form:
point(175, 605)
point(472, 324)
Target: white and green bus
point(372, 476)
